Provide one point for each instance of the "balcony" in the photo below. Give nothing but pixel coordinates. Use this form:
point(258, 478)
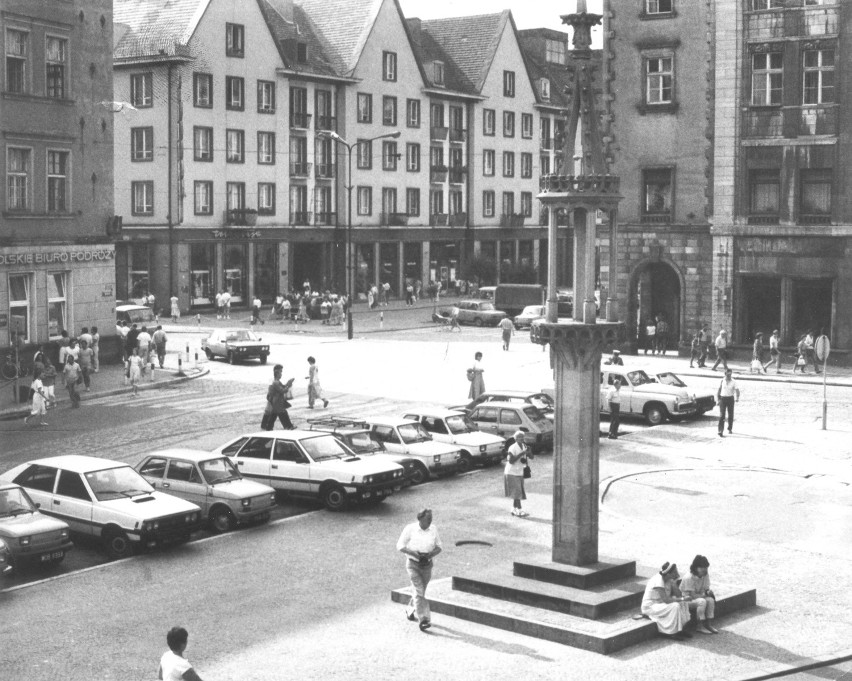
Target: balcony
point(802, 121)
point(300, 121)
point(438, 219)
point(814, 119)
point(300, 169)
point(325, 218)
point(324, 171)
point(457, 174)
point(792, 22)
point(656, 219)
point(548, 143)
point(512, 220)
point(439, 133)
point(763, 123)
point(300, 218)
point(814, 219)
point(393, 219)
point(458, 135)
point(763, 219)
point(458, 220)
point(326, 123)
point(438, 174)
point(241, 217)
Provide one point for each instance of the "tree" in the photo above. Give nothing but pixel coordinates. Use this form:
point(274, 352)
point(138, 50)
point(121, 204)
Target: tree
point(481, 269)
point(519, 273)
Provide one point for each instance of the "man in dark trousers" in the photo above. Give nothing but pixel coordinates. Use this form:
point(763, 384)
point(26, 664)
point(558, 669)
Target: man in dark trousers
point(277, 402)
point(130, 340)
point(613, 397)
point(726, 395)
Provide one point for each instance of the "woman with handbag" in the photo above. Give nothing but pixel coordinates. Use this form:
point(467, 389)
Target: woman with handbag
point(517, 468)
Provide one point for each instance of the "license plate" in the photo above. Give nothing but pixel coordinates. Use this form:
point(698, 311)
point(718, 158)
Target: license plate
point(56, 555)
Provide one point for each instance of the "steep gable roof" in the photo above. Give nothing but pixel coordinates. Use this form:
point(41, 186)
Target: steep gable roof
point(154, 28)
point(301, 29)
point(341, 28)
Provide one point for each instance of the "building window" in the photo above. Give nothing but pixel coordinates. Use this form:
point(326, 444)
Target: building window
point(299, 214)
point(142, 144)
point(815, 206)
point(544, 164)
point(266, 148)
point(488, 162)
point(488, 122)
point(57, 303)
point(365, 200)
point(555, 51)
point(508, 83)
point(526, 126)
point(456, 123)
point(436, 116)
point(299, 155)
point(143, 198)
point(235, 146)
point(412, 113)
point(488, 204)
point(659, 80)
point(767, 78)
point(235, 193)
point(508, 203)
point(299, 116)
point(818, 77)
point(266, 198)
point(508, 164)
point(142, 90)
point(412, 201)
point(388, 200)
point(235, 40)
point(757, 5)
point(526, 164)
point(20, 290)
point(364, 154)
point(438, 72)
point(57, 182)
point(764, 193)
point(17, 55)
point(202, 90)
point(436, 202)
point(265, 96)
point(389, 110)
point(56, 60)
point(389, 66)
point(526, 204)
point(412, 157)
point(18, 183)
point(658, 6)
point(323, 207)
point(365, 107)
point(436, 158)
point(657, 195)
point(202, 144)
point(235, 93)
point(544, 89)
point(203, 197)
point(508, 124)
point(389, 155)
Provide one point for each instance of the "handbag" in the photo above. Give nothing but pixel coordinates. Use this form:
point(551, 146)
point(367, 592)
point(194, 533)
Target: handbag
point(527, 472)
point(470, 374)
point(800, 362)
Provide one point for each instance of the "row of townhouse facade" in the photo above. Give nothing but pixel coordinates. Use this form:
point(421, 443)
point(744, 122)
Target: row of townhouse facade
point(256, 127)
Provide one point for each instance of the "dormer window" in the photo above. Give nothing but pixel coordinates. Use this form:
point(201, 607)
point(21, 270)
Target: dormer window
point(302, 53)
point(555, 51)
point(544, 88)
point(438, 72)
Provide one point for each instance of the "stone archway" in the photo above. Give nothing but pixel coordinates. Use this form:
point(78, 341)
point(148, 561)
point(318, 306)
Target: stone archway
point(656, 288)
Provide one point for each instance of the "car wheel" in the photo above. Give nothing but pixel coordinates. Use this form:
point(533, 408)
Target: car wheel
point(117, 544)
point(334, 497)
point(209, 354)
point(465, 463)
point(420, 474)
point(477, 321)
point(263, 359)
point(231, 358)
point(655, 414)
point(221, 519)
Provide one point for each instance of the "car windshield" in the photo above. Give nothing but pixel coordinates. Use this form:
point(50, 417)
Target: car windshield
point(532, 311)
point(144, 315)
point(325, 448)
point(115, 483)
point(639, 378)
point(219, 470)
point(412, 433)
point(363, 443)
point(534, 415)
point(460, 424)
point(668, 378)
point(14, 501)
point(241, 335)
point(485, 307)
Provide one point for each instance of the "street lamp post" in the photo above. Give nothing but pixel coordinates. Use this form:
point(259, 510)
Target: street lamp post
point(348, 186)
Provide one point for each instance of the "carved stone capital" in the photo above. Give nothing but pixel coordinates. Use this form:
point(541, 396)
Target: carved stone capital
point(578, 345)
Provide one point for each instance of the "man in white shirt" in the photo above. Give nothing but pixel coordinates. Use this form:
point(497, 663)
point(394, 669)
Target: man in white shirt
point(220, 306)
point(143, 342)
point(727, 394)
point(173, 665)
point(226, 305)
point(421, 543)
point(613, 398)
point(721, 350)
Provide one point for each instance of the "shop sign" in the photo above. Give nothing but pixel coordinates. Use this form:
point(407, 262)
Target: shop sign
point(56, 257)
point(235, 234)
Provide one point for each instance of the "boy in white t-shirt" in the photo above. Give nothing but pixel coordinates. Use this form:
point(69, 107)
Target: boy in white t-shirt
point(173, 665)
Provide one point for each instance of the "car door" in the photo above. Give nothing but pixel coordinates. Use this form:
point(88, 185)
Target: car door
point(388, 436)
point(153, 470)
point(73, 502)
point(290, 468)
point(437, 428)
point(254, 459)
point(485, 417)
point(183, 479)
point(39, 482)
point(509, 421)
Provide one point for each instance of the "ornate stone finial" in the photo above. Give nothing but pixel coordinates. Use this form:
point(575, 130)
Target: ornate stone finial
point(582, 22)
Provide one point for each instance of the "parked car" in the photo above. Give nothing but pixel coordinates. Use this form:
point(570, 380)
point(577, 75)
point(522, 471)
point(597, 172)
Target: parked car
point(313, 464)
point(541, 400)
point(141, 315)
point(235, 345)
point(356, 435)
point(645, 397)
point(505, 418)
point(478, 313)
point(455, 428)
point(211, 482)
point(30, 536)
point(408, 437)
point(106, 499)
point(704, 401)
point(528, 316)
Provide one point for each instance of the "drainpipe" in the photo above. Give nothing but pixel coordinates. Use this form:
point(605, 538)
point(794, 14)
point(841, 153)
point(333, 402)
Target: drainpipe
point(171, 291)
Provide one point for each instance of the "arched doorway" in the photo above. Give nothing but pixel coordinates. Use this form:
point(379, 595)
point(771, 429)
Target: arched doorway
point(656, 291)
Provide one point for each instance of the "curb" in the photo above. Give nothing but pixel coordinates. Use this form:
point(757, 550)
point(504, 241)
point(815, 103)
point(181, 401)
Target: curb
point(16, 412)
point(744, 375)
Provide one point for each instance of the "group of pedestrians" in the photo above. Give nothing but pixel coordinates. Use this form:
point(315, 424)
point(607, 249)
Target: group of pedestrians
point(656, 335)
point(139, 347)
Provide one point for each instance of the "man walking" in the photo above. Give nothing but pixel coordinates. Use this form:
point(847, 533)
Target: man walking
point(662, 335)
point(420, 542)
point(726, 395)
point(508, 329)
point(651, 337)
point(220, 305)
point(143, 342)
point(226, 305)
point(71, 372)
point(613, 398)
point(721, 350)
point(159, 340)
point(277, 401)
point(774, 352)
point(85, 358)
point(703, 346)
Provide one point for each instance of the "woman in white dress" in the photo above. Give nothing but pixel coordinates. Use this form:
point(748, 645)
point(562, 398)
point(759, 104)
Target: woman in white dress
point(664, 604)
point(39, 399)
point(136, 365)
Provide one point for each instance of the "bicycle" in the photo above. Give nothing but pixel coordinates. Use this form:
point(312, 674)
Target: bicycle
point(12, 369)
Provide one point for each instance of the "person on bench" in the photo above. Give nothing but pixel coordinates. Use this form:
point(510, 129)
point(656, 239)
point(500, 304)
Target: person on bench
point(696, 587)
point(664, 604)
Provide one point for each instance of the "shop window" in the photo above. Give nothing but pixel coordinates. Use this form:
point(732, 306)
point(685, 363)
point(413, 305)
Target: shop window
point(57, 303)
point(17, 61)
point(18, 179)
point(812, 302)
point(202, 260)
point(203, 197)
point(412, 254)
point(139, 268)
point(389, 264)
point(236, 268)
point(657, 195)
point(20, 305)
point(266, 270)
point(815, 204)
point(764, 196)
point(760, 298)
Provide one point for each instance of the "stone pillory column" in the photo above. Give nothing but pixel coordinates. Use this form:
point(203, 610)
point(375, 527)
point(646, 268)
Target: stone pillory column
point(576, 345)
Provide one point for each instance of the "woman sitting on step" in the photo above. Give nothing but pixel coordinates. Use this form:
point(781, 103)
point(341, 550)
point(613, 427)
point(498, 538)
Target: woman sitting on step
point(664, 604)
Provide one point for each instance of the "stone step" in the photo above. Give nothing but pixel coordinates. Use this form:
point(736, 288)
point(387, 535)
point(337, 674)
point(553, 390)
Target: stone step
point(540, 567)
point(593, 603)
point(605, 636)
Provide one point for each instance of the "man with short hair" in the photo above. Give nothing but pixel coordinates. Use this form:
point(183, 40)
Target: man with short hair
point(420, 542)
point(226, 305)
point(143, 343)
point(220, 306)
point(85, 357)
point(159, 340)
point(613, 398)
point(277, 402)
point(71, 372)
point(173, 665)
point(130, 342)
point(726, 395)
point(721, 350)
point(615, 358)
point(508, 329)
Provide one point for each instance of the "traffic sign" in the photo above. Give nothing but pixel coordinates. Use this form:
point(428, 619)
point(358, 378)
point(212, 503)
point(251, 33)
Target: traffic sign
point(822, 348)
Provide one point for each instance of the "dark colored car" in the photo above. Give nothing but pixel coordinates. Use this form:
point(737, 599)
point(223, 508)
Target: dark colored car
point(235, 345)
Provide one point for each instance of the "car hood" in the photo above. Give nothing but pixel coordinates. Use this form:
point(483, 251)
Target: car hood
point(240, 489)
point(477, 438)
point(29, 523)
point(151, 505)
point(244, 344)
point(660, 389)
point(367, 465)
point(431, 448)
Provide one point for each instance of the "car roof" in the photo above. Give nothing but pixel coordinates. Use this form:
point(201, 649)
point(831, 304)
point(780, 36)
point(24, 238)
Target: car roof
point(285, 434)
point(189, 454)
point(436, 413)
point(131, 308)
point(78, 463)
point(389, 420)
point(228, 330)
point(507, 405)
point(512, 393)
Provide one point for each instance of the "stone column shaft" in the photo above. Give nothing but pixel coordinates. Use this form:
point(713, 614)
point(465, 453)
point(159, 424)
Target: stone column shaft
point(580, 244)
point(590, 310)
point(552, 266)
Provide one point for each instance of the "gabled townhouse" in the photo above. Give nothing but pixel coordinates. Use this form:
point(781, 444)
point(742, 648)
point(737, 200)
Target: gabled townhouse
point(57, 258)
